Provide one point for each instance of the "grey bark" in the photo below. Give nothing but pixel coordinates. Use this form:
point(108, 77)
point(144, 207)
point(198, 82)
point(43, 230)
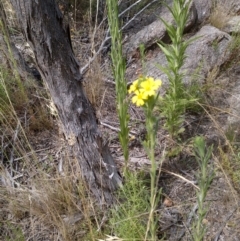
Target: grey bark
point(9, 49)
point(43, 27)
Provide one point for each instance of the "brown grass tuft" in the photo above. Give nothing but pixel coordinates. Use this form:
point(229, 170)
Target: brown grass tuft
point(220, 15)
point(95, 85)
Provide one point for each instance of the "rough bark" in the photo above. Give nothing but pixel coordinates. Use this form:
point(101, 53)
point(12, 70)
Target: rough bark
point(43, 27)
point(9, 54)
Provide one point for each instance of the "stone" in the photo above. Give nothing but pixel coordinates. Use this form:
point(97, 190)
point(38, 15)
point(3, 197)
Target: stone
point(209, 50)
point(155, 32)
point(203, 8)
point(234, 106)
point(232, 25)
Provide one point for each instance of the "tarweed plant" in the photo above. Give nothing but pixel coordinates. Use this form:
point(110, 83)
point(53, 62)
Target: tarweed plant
point(144, 91)
point(203, 155)
point(174, 103)
point(145, 94)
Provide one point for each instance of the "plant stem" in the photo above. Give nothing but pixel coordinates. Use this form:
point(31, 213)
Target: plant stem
point(151, 123)
point(203, 155)
point(119, 69)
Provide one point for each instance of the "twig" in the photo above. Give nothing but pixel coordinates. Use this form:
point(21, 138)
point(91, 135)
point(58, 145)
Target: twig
point(183, 178)
point(116, 129)
point(7, 180)
point(110, 81)
point(138, 14)
point(60, 167)
point(13, 147)
point(122, 13)
point(84, 69)
point(31, 153)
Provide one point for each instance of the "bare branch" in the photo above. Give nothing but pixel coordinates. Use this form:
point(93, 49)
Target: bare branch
point(84, 69)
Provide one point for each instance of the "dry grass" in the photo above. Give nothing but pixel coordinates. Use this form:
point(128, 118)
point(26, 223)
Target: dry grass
point(51, 204)
point(220, 15)
point(94, 84)
point(42, 195)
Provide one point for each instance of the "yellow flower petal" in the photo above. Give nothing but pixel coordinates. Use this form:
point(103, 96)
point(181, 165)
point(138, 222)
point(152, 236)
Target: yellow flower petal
point(158, 83)
point(139, 98)
point(134, 86)
point(149, 86)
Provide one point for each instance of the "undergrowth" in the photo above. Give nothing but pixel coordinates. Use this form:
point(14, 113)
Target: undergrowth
point(128, 219)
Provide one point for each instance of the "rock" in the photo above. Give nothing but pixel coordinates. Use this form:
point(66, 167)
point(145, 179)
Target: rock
point(232, 25)
point(209, 50)
point(203, 8)
point(155, 31)
point(234, 106)
point(233, 6)
point(224, 8)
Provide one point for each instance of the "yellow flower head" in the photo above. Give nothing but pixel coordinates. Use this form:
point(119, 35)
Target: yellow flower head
point(149, 86)
point(143, 88)
point(134, 86)
point(139, 98)
point(154, 83)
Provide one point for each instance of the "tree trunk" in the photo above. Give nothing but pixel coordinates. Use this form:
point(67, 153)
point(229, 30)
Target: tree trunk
point(43, 28)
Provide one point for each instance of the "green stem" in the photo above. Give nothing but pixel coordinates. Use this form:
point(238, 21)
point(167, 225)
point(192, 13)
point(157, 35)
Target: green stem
point(119, 75)
point(151, 142)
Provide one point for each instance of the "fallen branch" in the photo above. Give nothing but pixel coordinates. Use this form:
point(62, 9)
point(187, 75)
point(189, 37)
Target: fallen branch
point(117, 129)
point(181, 177)
point(85, 68)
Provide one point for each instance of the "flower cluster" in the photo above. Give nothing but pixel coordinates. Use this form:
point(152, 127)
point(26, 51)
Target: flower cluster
point(143, 88)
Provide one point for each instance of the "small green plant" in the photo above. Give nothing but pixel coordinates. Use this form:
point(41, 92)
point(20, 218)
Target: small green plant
point(119, 69)
point(129, 218)
point(203, 155)
point(15, 233)
point(230, 155)
point(176, 100)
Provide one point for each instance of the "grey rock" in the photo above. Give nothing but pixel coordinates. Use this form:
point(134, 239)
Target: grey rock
point(209, 50)
point(203, 8)
point(231, 6)
point(155, 32)
point(232, 25)
point(234, 105)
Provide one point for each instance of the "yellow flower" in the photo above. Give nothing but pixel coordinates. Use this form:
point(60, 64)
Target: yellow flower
point(139, 98)
point(157, 83)
point(133, 87)
point(148, 87)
